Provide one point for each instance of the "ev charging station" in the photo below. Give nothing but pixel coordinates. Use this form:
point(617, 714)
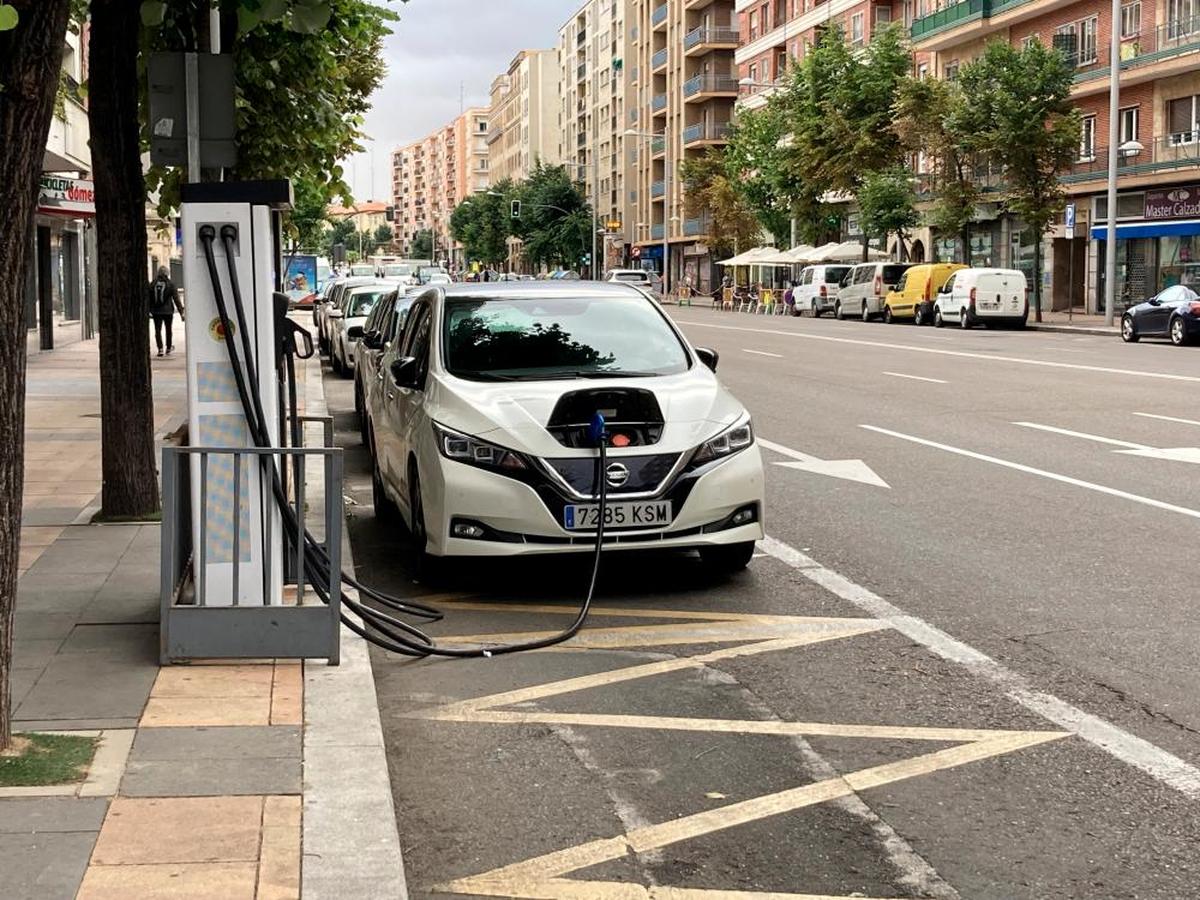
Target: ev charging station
point(237, 517)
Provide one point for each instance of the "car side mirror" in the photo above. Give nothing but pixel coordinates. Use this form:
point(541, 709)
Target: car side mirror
point(708, 356)
point(335, 314)
point(1154, 301)
point(404, 372)
point(372, 340)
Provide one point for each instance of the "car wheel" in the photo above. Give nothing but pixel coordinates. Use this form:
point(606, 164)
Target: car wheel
point(964, 321)
point(385, 509)
point(866, 312)
point(727, 559)
point(1128, 332)
point(358, 406)
point(335, 363)
point(816, 310)
point(837, 311)
point(918, 315)
point(938, 321)
point(426, 568)
point(1179, 335)
point(888, 318)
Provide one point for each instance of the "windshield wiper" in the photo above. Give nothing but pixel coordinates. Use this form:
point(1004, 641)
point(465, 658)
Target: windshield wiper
point(482, 376)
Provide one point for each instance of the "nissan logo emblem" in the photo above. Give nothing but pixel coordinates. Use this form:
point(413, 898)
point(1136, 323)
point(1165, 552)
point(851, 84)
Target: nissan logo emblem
point(616, 474)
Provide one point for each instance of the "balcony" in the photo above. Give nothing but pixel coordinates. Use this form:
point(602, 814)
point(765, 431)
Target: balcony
point(658, 190)
point(697, 4)
point(706, 133)
point(656, 232)
point(703, 40)
point(581, 139)
point(705, 86)
point(1165, 153)
point(581, 37)
point(658, 146)
point(658, 18)
point(67, 141)
point(1154, 44)
point(697, 226)
point(950, 16)
point(658, 104)
point(581, 72)
point(658, 60)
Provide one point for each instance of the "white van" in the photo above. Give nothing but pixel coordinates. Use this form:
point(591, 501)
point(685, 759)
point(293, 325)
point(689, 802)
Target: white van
point(816, 291)
point(982, 297)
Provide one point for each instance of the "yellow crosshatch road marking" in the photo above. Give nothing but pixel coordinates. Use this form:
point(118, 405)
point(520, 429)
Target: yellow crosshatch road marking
point(542, 877)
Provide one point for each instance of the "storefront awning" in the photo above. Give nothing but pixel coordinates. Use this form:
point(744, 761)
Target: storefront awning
point(1129, 230)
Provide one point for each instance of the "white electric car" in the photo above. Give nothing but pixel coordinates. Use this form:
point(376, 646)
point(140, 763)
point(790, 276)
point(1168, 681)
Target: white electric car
point(345, 323)
point(481, 428)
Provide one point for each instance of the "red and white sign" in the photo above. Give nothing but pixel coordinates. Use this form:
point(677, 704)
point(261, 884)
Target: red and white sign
point(636, 252)
point(72, 197)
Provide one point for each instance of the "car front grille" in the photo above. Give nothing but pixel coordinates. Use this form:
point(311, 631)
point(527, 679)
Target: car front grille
point(645, 473)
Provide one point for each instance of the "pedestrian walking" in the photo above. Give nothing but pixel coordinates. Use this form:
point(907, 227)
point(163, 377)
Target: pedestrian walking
point(164, 300)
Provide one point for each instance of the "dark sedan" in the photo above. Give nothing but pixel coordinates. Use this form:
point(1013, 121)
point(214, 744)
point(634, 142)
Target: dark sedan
point(1172, 313)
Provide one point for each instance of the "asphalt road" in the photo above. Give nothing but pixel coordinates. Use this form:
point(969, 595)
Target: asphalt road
point(968, 670)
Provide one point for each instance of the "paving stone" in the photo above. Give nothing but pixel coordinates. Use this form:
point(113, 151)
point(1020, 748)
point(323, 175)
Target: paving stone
point(28, 815)
point(115, 688)
point(34, 653)
point(211, 777)
point(134, 642)
point(38, 625)
point(75, 724)
point(70, 602)
point(276, 742)
point(43, 866)
point(49, 515)
point(197, 881)
point(279, 866)
point(22, 682)
point(179, 830)
point(166, 712)
point(214, 681)
point(43, 577)
point(128, 608)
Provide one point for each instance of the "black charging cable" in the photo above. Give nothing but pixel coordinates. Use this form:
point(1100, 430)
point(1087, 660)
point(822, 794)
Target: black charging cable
point(383, 630)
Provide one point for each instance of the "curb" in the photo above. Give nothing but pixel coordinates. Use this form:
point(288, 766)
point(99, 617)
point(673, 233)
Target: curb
point(351, 843)
point(1073, 329)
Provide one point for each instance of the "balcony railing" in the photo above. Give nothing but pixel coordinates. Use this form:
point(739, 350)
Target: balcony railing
point(658, 102)
point(581, 72)
point(1161, 154)
point(710, 84)
point(702, 35)
point(657, 145)
point(658, 189)
point(658, 16)
point(697, 226)
point(656, 232)
point(949, 16)
point(705, 131)
point(1174, 37)
point(658, 60)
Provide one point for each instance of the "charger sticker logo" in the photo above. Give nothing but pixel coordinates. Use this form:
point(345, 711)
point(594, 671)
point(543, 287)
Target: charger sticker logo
point(216, 330)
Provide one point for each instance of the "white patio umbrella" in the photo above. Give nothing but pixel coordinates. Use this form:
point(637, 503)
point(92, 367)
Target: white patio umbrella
point(821, 254)
point(852, 251)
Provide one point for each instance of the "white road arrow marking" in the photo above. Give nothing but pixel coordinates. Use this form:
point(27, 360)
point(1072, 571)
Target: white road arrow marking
point(762, 353)
point(1128, 448)
point(1167, 418)
point(849, 469)
point(916, 377)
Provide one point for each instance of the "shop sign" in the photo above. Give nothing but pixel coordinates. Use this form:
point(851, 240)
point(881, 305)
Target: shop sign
point(1173, 203)
point(67, 196)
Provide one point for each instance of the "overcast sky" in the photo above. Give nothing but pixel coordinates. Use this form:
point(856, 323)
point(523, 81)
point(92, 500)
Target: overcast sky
point(437, 46)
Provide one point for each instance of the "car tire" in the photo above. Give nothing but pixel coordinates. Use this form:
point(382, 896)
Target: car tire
point(1128, 330)
point(727, 559)
point(964, 320)
point(888, 318)
point(865, 312)
point(1178, 331)
point(426, 568)
point(816, 310)
point(918, 315)
point(837, 311)
point(938, 321)
point(358, 405)
point(335, 363)
point(385, 509)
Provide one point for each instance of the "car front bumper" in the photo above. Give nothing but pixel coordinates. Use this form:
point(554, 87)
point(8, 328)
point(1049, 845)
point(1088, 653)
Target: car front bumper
point(523, 518)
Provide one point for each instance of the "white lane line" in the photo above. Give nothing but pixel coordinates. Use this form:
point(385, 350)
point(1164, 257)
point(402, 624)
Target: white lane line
point(762, 353)
point(1167, 418)
point(916, 377)
point(1128, 445)
point(1113, 740)
point(1133, 373)
point(1053, 476)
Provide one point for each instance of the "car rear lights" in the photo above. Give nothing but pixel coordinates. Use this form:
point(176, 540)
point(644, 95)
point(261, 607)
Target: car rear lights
point(972, 298)
point(878, 285)
point(1195, 308)
point(824, 292)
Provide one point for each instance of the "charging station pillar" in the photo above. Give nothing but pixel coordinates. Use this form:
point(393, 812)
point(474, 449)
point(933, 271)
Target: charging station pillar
point(216, 417)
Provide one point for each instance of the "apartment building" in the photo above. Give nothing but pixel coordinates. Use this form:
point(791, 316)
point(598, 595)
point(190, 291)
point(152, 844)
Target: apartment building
point(523, 115)
point(592, 47)
point(430, 177)
point(681, 85)
point(1158, 203)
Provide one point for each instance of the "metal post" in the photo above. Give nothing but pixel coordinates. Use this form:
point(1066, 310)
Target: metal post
point(595, 199)
point(1114, 136)
point(191, 69)
point(666, 212)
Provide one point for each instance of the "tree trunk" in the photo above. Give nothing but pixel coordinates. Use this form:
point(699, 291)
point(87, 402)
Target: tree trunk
point(866, 245)
point(966, 243)
point(1037, 277)
point(30, 59)
point(126, 401)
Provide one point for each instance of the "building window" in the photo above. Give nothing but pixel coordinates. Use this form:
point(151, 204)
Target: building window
point(1029, 40)
point(1087, 139)
point(1131, 19)
point(780, 64)
point(1088, 30)
point(1181, 119)
point(1128, 124)
point(753, 24)
point(780, 12)
point(1182, 18)
point(1077, 41)
point(923, 70)
point(950, 70)
point(856, 29)
point(753, 74)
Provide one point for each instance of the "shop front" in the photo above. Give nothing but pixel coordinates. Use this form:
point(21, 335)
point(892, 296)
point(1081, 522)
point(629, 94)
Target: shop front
point(1158, 243)
point(60, 302)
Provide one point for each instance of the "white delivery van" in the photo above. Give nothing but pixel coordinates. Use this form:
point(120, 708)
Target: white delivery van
point(982, 297)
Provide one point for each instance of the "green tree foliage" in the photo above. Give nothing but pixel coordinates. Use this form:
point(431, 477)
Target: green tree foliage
point(422, 245)
point(1018, 112)
point(887, 203)
point(709, 188)
point(308, 221)
point(754, 164)
point(383, 237)
point(556, 219)
point(340, 231)
point(928, 112)
point(483, 224)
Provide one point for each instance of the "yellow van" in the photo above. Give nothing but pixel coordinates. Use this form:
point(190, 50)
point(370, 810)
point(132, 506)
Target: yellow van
point(913, 296)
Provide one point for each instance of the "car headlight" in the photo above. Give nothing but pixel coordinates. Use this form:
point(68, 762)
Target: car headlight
point(731, 440)
point(471, 450)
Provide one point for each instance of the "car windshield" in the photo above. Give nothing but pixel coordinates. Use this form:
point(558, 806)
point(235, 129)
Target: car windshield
point(541, 338)
point(1177, 293)
point(834, 274)
point(362, 270)
point(362, 302)
point(630, 276)
point(397, 271)
point(891, 274)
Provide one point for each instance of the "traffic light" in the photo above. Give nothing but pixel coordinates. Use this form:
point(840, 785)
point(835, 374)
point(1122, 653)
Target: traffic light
point(515, 209)
point(390, 214)
point(339, 253)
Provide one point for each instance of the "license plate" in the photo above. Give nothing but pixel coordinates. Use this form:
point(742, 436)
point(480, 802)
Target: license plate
point(618, 515)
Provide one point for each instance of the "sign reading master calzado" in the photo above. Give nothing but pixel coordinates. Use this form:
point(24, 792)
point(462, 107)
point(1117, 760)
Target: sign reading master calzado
point(1174, 203)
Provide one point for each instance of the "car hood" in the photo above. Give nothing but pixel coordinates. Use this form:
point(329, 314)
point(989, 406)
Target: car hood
point(694, 404)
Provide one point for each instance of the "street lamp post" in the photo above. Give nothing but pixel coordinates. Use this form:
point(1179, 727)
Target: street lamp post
point(1114, 137)
point(595, 199)
point(666, 241)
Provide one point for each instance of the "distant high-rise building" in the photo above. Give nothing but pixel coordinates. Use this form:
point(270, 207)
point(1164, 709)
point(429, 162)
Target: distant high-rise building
point(523, 116)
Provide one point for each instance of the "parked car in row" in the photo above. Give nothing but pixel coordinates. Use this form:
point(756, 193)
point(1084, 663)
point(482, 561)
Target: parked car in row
point(330, 299)
point(647, 281)
point(982, 297)
point(1173, 313)
point(382, 327)
point(864, 288)
point(346, 323)
point(816, 291)
point(915, 292)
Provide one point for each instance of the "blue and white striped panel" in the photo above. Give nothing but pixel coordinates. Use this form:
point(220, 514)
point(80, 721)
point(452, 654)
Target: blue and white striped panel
point(225, 431)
